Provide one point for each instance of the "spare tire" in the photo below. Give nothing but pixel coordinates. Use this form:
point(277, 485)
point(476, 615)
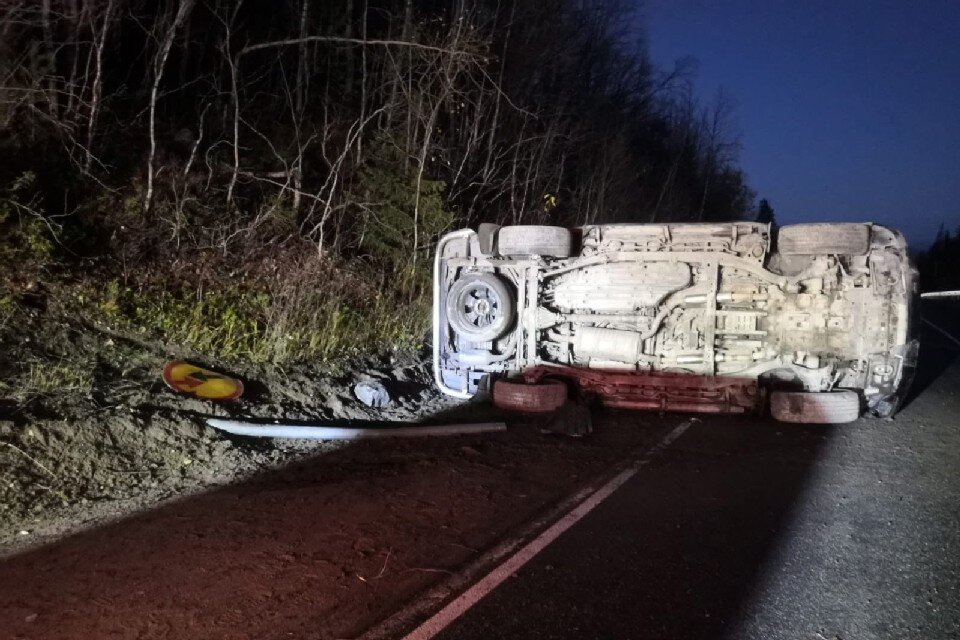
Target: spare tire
point(542, 397)
point(828, 407)
point(530, 239)
point(480, 307)
point(844, 238)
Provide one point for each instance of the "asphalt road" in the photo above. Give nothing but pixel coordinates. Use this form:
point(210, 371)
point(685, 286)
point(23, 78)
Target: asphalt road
point(763, 530)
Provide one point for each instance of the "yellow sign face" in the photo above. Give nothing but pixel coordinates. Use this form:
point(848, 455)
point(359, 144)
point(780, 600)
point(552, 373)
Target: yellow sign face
point(205, 384)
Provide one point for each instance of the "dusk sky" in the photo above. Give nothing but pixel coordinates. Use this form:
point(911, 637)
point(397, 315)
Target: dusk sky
point(847, 110)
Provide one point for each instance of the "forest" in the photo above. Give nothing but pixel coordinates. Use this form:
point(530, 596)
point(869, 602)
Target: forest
point(265, 179)
point(939, 264)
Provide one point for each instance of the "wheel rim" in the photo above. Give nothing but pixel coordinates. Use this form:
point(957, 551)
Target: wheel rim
point(480, 306)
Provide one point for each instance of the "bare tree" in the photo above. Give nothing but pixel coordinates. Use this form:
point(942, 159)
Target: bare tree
point(159, 63)
point(101, 40)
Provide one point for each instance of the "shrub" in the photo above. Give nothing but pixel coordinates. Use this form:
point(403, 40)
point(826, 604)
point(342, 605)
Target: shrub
point(25, 236)
point(390, 189)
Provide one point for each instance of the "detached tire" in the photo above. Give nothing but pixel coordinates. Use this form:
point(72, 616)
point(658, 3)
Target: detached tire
point(849, 239)
point(543, 397)
point(828, 407)
point(539, 240)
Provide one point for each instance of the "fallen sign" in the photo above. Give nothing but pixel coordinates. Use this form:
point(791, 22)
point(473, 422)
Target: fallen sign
point(327, 432)
point(203, 383)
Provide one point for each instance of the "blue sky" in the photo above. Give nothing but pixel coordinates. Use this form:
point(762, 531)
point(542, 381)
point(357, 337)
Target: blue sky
point(847, 110)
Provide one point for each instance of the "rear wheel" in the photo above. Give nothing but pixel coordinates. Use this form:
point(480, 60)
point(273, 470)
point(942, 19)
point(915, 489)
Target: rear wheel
point(540, 240)
point(829, 407)
point(542, 397)
point(849, 239)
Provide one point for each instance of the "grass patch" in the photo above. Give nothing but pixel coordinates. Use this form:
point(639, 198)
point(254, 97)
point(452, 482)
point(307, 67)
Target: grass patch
point(49, 378)
point(7, 308)
point(311, 314)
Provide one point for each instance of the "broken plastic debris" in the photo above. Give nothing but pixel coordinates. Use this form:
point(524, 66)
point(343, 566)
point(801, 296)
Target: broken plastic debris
point(372, 393)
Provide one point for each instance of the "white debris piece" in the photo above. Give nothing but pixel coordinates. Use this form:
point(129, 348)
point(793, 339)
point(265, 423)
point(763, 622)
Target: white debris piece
point(372, 394)
point(329, 432)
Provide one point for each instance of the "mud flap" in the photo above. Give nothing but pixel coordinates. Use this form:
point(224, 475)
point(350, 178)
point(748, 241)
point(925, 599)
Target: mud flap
point(888, 401)
point(572, 419)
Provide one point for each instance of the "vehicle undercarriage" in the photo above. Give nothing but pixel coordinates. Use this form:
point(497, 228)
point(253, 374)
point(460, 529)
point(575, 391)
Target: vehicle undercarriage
point(691, 317)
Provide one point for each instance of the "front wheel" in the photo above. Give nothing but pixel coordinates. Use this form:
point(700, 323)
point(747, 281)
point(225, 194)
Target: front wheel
point(828, 407)
point(817, 239)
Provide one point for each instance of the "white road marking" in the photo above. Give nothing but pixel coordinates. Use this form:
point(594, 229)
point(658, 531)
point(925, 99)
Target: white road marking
point(946, 334)
point(440, 620)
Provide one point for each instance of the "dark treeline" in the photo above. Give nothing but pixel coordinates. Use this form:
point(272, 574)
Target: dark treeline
point(360, 120)
point(243, 174)
point(939, 265)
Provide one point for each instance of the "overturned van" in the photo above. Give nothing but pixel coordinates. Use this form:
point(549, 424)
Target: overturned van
point(814, 324)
